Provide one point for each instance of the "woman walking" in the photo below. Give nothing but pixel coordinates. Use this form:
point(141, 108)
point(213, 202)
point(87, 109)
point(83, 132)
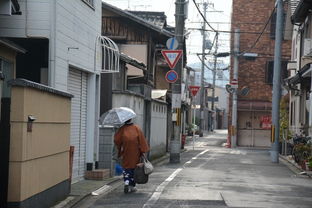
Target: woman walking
point(131, 144)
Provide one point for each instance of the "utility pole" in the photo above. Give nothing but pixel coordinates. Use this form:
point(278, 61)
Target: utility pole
point(176, 87)
point(214, 81)
point(234, 96)
point(202, 87)
point(277, 82)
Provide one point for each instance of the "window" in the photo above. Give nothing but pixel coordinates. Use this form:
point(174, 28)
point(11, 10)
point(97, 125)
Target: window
point(89, 3)
point(270, 69)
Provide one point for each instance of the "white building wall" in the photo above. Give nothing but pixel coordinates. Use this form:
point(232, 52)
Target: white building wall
point(77, 28)
point(72, 28)
point(136, 103)
point(34, 21)
point(158, 129)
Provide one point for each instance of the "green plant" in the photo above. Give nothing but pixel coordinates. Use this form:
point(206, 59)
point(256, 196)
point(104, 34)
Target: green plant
point(301, 152)
point(284, 118)
point(310, 162)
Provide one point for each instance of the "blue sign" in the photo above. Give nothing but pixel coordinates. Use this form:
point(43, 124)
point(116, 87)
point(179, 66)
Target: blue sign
point(171, 76)
point(172, 43)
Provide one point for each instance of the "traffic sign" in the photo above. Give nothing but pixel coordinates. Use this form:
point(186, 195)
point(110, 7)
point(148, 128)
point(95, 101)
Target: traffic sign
point(194, 89)
point(172, 43)
point(172, 57)
point(234, 83)
point(171, 76)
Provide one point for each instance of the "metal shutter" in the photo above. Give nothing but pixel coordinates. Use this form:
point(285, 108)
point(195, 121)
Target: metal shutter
point(77, 85)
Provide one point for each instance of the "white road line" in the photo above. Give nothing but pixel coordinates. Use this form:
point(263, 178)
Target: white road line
point(100, 190)
point(155, 196)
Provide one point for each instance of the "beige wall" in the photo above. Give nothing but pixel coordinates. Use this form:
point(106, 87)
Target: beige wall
point(139, 52)
point(38, 159)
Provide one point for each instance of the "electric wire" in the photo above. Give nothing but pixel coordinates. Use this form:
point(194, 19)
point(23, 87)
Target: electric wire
point(260, 35)
point(201, 14)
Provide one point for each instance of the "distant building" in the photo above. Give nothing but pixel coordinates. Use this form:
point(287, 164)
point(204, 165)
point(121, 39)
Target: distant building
point(300, 66)
point(255, 70)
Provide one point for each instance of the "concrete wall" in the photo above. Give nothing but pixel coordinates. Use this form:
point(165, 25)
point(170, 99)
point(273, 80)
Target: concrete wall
point(39, 160)
point(135, 102)
point(158, 129)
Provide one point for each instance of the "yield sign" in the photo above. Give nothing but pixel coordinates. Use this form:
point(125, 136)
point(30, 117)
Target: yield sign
point(172, 57)
point(194, 89)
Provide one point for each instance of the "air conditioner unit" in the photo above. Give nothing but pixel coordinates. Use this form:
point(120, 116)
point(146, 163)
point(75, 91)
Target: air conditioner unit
point(5, 7)
point(307, 47)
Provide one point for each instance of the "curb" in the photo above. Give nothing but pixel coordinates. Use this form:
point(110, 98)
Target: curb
point(73, 200)
point(294, 167)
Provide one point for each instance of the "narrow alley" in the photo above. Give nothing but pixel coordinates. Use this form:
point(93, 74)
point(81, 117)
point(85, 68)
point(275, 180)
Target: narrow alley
point(214, 176)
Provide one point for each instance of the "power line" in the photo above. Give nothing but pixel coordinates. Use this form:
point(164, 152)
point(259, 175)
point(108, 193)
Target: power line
point(201, 14)
point(225, 31)
point(262, 32)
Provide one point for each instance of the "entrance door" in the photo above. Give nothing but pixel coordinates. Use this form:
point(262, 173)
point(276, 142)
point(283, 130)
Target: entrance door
point(254, 129)
point(77, 85)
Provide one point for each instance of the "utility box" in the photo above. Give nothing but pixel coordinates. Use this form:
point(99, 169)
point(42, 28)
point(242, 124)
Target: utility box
point(106, 149)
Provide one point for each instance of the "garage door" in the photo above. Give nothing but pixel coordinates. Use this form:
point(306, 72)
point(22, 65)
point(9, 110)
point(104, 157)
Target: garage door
point(77, 85)
point(252, 130)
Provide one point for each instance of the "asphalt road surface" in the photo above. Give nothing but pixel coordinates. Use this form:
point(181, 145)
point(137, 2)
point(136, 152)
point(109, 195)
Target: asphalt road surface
point(214, 176)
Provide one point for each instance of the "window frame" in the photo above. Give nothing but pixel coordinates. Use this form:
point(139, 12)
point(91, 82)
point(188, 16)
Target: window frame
point(90, 3)
point(270, 67)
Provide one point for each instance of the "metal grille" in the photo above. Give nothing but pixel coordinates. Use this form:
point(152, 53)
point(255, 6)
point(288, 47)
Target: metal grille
point(109, 55)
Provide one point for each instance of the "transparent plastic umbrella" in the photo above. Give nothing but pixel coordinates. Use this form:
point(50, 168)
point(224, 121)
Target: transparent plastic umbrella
point(117, 116)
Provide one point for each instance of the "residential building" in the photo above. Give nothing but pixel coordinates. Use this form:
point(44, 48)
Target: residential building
point(255, 69)
point(221, 106)
point(62, 57)
point(299, 21)
point(140, 40)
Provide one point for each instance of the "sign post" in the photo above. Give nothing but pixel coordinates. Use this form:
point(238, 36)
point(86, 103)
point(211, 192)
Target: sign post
point(194, 90)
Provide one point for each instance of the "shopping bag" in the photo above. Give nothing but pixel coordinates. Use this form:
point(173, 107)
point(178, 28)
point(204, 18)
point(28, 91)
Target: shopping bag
point(139, 175)
point(148, 167)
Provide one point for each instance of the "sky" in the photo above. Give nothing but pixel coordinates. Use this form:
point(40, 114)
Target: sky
point(218, 15)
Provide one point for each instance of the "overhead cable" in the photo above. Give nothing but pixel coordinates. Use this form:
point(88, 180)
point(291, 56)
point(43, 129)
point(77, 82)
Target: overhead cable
point(201, 14)
point(260, 35)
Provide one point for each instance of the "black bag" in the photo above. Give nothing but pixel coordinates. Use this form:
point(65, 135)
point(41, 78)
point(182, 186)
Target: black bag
point(139, 175)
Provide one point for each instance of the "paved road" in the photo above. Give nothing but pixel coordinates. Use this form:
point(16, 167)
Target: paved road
point(214, 176)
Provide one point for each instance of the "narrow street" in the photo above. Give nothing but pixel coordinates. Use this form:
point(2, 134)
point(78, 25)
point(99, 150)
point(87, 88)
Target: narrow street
point(214, 176)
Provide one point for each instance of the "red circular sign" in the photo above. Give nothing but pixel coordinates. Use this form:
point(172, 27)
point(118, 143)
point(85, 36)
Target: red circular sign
point(171, 76)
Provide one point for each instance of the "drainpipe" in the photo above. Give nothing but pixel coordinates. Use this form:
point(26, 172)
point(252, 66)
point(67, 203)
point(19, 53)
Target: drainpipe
point(52, 43)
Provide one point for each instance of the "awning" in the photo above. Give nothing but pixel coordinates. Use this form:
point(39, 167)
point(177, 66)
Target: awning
point(159, 94)
point(301, 11)
point(132, 61)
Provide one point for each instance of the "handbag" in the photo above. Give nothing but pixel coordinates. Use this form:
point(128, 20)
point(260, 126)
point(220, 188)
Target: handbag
point(139, 175)
point(148, 167)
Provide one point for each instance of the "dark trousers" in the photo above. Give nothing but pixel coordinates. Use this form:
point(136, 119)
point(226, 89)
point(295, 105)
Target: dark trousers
point(128, 175)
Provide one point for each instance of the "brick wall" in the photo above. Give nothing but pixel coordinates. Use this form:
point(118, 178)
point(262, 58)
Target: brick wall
point(251, 16)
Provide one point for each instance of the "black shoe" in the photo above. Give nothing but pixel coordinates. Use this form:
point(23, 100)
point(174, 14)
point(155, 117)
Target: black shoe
point(126, 189)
